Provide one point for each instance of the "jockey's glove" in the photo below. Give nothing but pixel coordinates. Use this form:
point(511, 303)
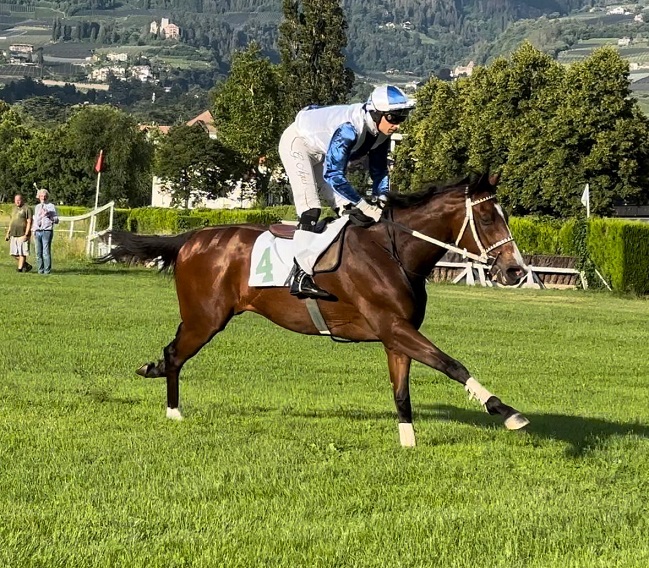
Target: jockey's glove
point(371, 211)
point(380, 200)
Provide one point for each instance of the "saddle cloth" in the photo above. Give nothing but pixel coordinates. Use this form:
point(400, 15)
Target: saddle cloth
point(271, 260)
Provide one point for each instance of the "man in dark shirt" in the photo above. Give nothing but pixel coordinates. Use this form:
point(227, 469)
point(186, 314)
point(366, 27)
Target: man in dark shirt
point(18, 233)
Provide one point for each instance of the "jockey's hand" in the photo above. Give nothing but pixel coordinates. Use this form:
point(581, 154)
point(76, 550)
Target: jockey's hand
point(380, 201)
point(371, 211)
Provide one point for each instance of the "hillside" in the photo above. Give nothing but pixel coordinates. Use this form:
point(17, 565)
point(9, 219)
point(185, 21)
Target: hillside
point(417, 36)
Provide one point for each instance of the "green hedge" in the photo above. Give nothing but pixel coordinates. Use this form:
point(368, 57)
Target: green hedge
point(617, 249)
point(620, 251)
point(162, 220)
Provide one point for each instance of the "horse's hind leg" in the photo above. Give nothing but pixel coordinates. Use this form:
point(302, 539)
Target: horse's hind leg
point(190, 338)
point(399, 366)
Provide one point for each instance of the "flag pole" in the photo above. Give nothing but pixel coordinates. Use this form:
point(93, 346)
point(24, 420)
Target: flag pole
point(585, 199)
point(97, 191)
point(98, 167)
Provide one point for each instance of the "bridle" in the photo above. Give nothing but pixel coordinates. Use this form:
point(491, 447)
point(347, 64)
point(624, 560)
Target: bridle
point(469, 221)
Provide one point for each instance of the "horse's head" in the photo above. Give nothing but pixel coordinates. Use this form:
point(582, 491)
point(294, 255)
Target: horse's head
point(485, 232)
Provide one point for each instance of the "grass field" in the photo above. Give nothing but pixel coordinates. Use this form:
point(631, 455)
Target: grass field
point(289, 455)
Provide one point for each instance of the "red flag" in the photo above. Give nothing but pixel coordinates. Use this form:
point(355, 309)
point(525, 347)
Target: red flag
point(99, 165)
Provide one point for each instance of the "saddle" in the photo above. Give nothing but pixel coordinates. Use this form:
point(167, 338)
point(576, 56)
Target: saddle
point(329, 260)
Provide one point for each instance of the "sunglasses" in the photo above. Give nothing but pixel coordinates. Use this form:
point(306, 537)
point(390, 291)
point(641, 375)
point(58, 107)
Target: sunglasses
point(395, 118)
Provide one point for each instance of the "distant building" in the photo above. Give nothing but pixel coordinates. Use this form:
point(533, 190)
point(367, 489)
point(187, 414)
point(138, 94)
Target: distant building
point(21, 48)
point(166, 28)
point(171, 31)
point(624, 42)
point(117, 57)
point(103, 73)
point(465, 71)
point(141, 72)
point(638, 18)
point(206, 120)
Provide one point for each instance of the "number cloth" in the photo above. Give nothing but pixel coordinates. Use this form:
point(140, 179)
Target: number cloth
point(271, 260)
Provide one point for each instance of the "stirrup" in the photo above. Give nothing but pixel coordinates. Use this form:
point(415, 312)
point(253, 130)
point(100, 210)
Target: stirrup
point(303, 285)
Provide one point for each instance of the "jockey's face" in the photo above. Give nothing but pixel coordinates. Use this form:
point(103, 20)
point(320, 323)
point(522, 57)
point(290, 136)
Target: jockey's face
point(386, 127)
point(390, 123)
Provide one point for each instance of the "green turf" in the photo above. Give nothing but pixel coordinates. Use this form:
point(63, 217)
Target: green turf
point(289, 454)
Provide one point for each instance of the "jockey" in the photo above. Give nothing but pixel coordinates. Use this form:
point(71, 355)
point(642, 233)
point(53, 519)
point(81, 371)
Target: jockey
point(316, 150)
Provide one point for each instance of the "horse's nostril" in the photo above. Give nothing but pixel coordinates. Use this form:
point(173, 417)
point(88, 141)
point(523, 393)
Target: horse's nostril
point(514, 273)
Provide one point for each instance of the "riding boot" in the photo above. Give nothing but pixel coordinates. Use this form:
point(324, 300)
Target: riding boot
point(303, 285)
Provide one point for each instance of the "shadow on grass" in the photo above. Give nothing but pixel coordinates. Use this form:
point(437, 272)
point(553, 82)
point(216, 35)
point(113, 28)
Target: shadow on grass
point(583, 434)
point(580, 432)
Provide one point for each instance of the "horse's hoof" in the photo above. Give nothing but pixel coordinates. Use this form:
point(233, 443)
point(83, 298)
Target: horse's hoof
point(145, 370)
point(516, 422)
point(174, 414)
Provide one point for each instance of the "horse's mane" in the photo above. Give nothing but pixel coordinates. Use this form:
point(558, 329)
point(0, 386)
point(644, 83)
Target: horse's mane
point(429, 189)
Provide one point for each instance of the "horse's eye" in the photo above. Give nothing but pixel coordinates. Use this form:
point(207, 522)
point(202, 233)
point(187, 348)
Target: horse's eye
point(487, 218)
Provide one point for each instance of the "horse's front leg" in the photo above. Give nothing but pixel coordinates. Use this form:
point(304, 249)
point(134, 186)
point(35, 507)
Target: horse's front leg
point(399, 366)
point(405, 339)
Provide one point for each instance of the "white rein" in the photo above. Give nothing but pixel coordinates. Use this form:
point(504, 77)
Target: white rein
point(468, 222)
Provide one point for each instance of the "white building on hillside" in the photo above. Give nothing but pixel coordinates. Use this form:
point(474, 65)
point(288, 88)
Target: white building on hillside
point(166, 28)
point(466, 70)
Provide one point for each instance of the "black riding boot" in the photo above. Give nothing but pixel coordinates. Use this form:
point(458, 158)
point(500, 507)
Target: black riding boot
point(303, 285)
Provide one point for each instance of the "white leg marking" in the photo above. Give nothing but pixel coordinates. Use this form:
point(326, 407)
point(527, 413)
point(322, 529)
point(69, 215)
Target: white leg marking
point(476, 390)
point(174, 414)
point(407, 435)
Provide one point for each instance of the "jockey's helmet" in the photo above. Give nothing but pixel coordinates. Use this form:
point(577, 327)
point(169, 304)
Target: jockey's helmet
point(388, 99)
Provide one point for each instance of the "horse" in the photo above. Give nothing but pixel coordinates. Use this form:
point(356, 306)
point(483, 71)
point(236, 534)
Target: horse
point(378, 291)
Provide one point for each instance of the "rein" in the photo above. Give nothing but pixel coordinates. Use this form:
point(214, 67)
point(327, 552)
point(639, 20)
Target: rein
point(469, 221)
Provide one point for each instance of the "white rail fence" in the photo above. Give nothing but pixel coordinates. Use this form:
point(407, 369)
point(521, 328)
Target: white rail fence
point(94, 243)
point(458, 270)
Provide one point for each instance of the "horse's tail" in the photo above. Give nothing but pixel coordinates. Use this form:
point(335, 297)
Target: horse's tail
point(131, 248)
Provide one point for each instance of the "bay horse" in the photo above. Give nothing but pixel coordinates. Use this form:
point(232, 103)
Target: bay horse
point(379, 288)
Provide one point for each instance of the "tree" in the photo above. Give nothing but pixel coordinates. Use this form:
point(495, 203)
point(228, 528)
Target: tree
point(547, 129)
point(247, 113)
point(129, 157)
point(193, 166)
point(311, 43)
point(14, 137)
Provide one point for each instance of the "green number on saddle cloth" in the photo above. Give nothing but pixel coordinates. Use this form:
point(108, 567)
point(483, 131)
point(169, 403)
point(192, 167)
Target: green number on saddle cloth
point(265, 266)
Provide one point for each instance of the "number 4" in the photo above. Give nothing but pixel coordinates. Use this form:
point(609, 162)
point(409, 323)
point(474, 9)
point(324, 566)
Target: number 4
point(265, 266)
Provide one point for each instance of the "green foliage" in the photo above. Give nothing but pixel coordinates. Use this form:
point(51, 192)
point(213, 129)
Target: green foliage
point(534, 236)
point(248, 115)
point(312, 40)
point(153, 220)
point(548, 130)
point(193, 166)
point(620, 251)
point(62, 159)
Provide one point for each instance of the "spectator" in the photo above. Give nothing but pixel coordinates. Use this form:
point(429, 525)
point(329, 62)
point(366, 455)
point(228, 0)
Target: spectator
point(45, 218)
point(18, 233)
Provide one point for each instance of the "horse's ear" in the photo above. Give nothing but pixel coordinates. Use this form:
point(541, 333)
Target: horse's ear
point(494, 179)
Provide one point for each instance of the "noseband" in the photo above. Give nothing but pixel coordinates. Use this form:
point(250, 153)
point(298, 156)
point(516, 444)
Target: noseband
point(484, 257)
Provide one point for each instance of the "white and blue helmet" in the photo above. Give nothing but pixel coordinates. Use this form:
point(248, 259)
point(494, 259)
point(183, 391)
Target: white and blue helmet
point(389, 99)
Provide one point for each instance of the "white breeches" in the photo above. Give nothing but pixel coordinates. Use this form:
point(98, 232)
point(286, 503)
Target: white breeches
point(304, 173)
